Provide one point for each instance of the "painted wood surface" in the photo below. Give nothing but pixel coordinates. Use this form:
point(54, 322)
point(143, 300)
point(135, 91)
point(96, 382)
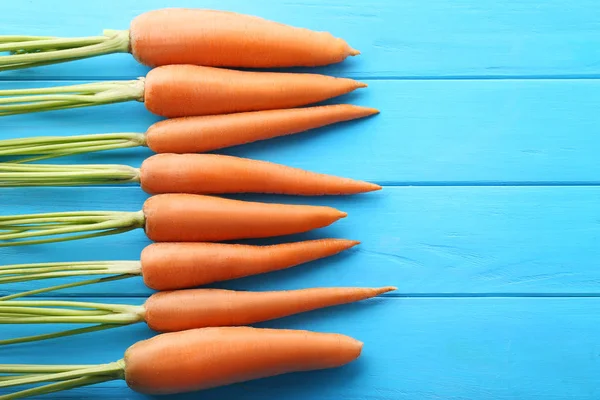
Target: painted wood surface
point(488, 222)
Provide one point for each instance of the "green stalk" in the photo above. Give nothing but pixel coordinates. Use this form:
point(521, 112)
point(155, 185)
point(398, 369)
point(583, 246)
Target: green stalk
point(91, 224)
point(55, 335)
point(67, 286)
point(106, 316)
point(23, 101)
point(113, 369)
point(38, 369)
point(50, 147)
point(58, 386)
point(19, 175)
point(35, 51)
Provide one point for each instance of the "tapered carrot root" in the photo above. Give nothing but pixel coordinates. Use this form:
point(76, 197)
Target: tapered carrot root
point(205, 358)
point(198, 308)
point(197, 218)
point(212, 132)
point(185, 90)
point(220, 174)
point(168, 266)
point(219, 38)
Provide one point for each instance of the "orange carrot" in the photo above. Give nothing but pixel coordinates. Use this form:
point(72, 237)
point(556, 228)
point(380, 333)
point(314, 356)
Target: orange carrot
point(189, 134)
point(188, 173)
point(186, 36)
point(197, 218)
point(196, 359)
point(171, 218)
point(180, 310)
point(197, 308)
point(205, 358)
point(227, 39)
point(169, 266)
point(183, 90)
point(186, 90)
point(216, 174)
point(213, 132)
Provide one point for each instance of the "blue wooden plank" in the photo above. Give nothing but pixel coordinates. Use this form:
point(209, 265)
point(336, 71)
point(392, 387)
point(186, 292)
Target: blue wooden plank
point(425, 240)
point(428, 133)
point(408, 38)
point(430, 348)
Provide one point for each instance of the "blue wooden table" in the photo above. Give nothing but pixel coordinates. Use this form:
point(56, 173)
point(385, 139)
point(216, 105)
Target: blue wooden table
point(488, 223)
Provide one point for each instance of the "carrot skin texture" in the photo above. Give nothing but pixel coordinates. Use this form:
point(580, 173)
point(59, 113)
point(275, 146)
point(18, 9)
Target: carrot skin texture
point(179, 310)
point(222, 174)
point(227, 39)
point(198, 359)
point(188, 90)
point(197, 218)
point(170, 266)
point(200, 134)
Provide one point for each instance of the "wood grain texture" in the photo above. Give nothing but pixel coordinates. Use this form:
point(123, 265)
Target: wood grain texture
point(490, 132)
point(488, 222)
point(411, 38)
point(422, 349)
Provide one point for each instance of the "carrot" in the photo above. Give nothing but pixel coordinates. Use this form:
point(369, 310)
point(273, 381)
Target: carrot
point(188, 173)
point(180, 310)
point(171, 218)
point(213, 132)
point(170, 266)
point(178, 217)
point(198, 37)
point(197, 359)
point(187, 90)
point(195, 308)
point(187, 36)
point(190, 134)
point(231, 355)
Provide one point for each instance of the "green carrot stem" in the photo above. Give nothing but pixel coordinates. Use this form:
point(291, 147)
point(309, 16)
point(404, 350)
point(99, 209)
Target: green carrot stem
point(55, 335)
point(42, 140)
point(52, 147)
point(34, 312)
point(50, 43)
point(42, 270)
point(68, 238)
point(57, 387)
point(64, 264)
point(117, 222)
point(35, 51)
point(109, 319)
point(67, 286)
point(114, 369)
point(22, 38)
point(50, 98)
point(120, 308)
point(18, 175)
point(51, 275)
point(38, 368)
point(61, 214)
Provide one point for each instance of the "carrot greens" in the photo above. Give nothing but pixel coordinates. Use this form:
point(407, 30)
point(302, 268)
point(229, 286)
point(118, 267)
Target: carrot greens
point(21, 101)
point(36, 51)
point(45, 147)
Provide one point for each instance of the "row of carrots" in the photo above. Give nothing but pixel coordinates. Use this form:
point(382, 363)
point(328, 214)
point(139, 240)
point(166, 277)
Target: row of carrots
point(204, 338)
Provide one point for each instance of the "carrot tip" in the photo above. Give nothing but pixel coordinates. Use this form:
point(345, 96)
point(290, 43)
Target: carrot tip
point(374, 187)
point(372, 110)
point(342, 214)
point(386, 289)
point(361, 85)
point(354, 52)
point(352, 243)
